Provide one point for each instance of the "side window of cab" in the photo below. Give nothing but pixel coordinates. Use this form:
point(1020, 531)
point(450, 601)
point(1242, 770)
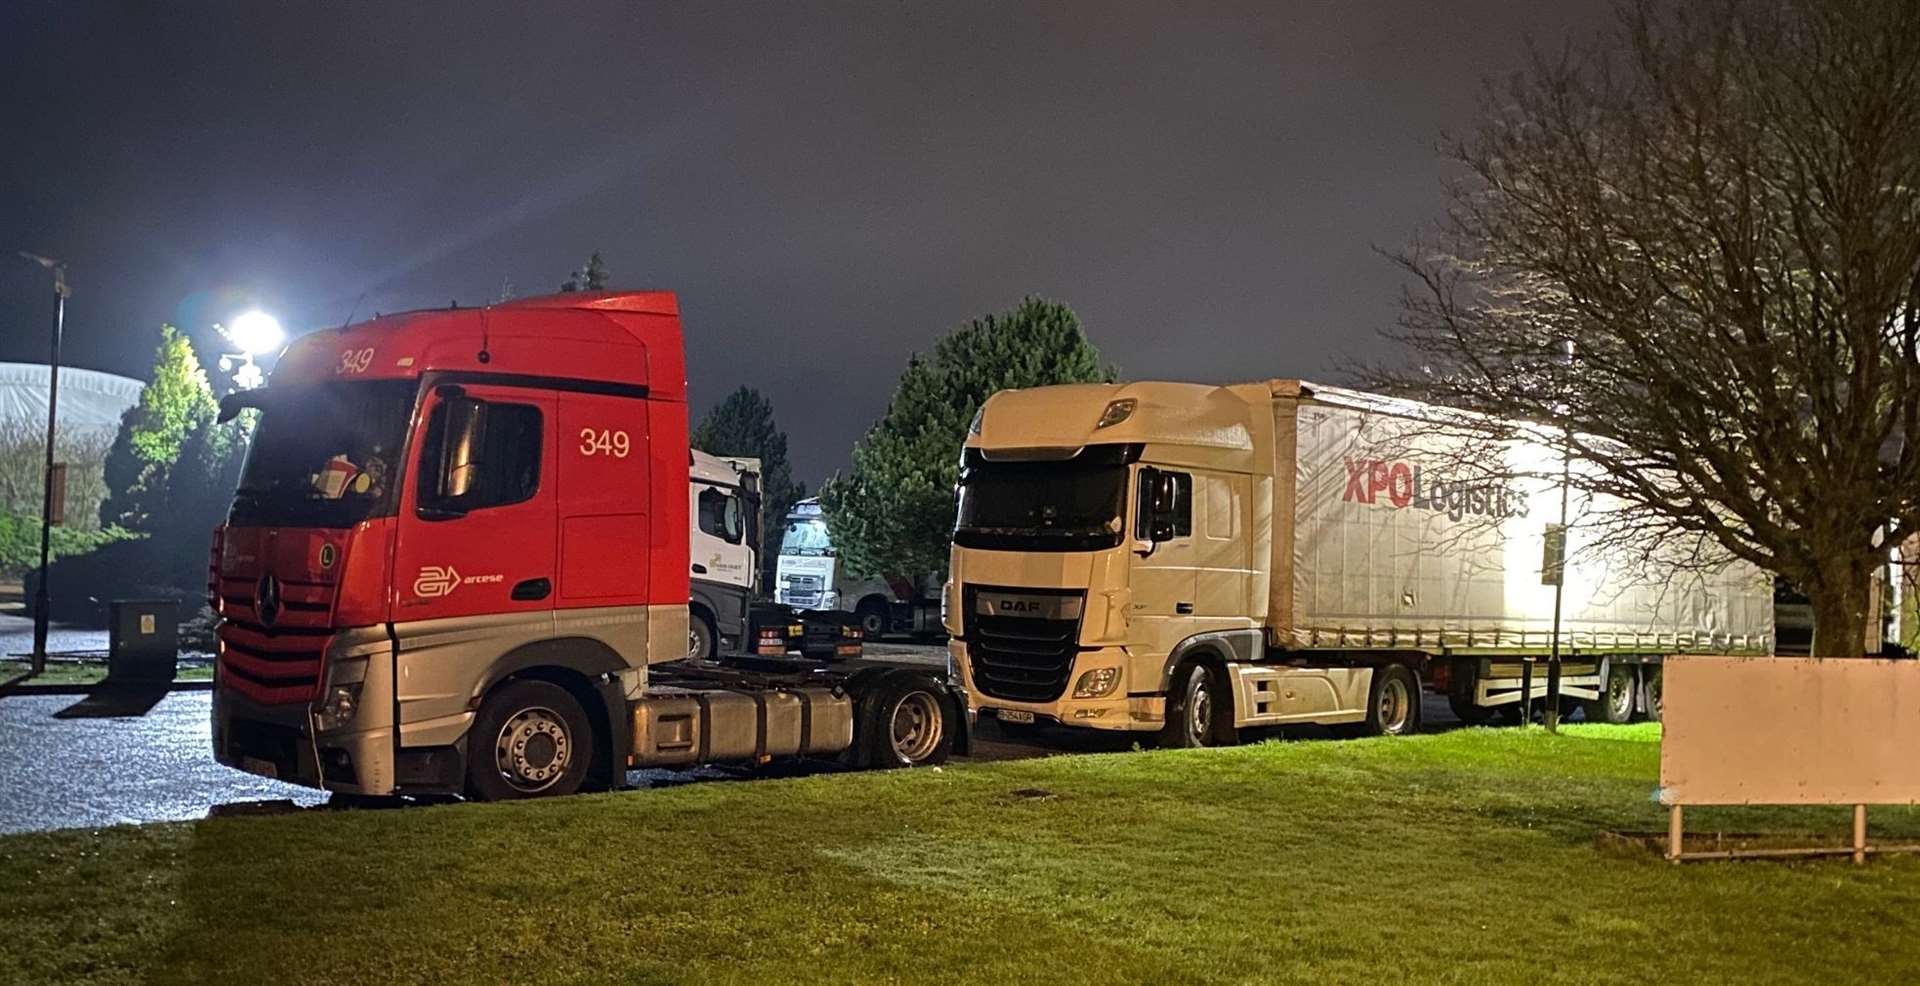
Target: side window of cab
point(720, 515)
point(478, 454)
point(1165, 509)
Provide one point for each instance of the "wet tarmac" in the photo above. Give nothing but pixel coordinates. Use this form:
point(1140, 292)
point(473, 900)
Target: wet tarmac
point(66, 773)
point(74, 773)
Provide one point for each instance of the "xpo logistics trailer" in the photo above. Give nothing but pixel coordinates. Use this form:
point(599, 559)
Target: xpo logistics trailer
point(1196, 559)
point(457, 562)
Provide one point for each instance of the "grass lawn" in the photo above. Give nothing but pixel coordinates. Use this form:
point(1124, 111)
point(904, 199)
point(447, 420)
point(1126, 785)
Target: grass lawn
point(1470, 856)
point(87, 672)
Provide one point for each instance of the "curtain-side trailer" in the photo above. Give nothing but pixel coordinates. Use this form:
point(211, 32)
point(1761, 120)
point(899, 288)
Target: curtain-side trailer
point(1193, 560)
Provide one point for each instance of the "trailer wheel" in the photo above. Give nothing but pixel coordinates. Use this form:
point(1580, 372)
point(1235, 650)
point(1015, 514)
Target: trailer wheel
point(1615, 704)
point(531, 739)
point(905, 723)
point(1199, 710)
point(1393, 702)
point(1654, 705)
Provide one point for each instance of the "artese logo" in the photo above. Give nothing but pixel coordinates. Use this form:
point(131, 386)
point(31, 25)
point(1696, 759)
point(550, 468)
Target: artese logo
point(1401, 485)
point(435, 581)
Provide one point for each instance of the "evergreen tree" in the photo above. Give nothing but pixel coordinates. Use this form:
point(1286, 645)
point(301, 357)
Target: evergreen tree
point(743, 425)
point(176, 402)
point(591, 278)
point(893, 513)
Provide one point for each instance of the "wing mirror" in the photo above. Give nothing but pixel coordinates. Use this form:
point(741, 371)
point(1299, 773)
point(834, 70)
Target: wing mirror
point(461, 422)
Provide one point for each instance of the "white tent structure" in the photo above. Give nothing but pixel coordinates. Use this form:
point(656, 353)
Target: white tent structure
point(90, 401)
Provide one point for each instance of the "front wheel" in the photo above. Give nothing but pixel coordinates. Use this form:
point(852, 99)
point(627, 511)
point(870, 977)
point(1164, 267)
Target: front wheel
point(702, 641)
point(1393, 702)
point(531, 739)
point(1199, 712)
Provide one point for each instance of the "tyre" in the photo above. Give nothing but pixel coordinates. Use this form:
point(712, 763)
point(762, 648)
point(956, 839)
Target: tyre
point(1654, 705)
point(531, 739)
point(905, 721)
point(1615, 704)
point(873, 618)
point(1393, 702)
point(702, 642)
point(1199, 710)
point(1460, 695)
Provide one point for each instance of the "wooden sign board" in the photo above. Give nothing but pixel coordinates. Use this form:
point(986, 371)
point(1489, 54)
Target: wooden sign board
point(1790, 731)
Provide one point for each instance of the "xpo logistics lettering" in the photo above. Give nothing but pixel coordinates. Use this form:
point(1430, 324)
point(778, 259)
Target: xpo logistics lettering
point(1194, 560)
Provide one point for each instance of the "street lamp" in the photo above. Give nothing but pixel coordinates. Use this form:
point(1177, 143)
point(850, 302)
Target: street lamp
point(42, 608)
point(256, 333)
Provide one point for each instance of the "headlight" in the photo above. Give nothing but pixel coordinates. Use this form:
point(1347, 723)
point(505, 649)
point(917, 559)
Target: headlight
point(829, 600)
point(340, 699)
point(1098, 683)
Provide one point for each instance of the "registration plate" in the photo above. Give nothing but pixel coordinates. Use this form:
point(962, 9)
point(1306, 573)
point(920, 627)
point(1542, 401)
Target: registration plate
point(255, 765)
point(1015, 715)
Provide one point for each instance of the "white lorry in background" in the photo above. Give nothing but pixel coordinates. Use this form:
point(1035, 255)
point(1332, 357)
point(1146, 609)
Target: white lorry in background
point(809, 576)
point(723, 558)
point(1193, 560)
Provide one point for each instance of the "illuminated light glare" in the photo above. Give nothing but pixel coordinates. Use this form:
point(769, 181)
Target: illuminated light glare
point(248, 376)
point(256, 333)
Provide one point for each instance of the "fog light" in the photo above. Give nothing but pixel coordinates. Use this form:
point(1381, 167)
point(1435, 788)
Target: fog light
point(1098, 683)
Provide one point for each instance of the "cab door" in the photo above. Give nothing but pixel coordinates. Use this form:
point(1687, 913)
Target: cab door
point(478, 515)
point(1164, 559)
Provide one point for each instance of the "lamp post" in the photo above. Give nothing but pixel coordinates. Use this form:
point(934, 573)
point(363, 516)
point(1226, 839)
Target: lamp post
point(1552, 712)
point(41, 599)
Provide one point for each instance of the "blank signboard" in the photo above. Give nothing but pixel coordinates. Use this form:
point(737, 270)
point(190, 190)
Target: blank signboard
point(1778, 730)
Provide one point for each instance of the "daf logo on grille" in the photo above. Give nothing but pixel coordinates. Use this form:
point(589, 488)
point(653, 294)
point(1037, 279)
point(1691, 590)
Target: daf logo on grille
point(266, 600)
point(1033, 607)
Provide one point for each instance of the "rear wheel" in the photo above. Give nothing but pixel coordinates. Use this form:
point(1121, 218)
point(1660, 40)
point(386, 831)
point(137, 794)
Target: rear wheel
point(531, 739)
point(1615, 704)
point(1460, 688)
point(905, 723)
point(872, 616)
point(1393, 702)
point(1654, 705)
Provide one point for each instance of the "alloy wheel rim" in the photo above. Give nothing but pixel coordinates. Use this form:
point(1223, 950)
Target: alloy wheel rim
point(533, 749)
point(915, 727)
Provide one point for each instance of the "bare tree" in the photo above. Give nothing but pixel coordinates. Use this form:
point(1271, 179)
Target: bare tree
point(1715, 208)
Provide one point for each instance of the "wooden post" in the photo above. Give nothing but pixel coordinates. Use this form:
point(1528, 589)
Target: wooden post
point(1675, 825)
point(1859, 835)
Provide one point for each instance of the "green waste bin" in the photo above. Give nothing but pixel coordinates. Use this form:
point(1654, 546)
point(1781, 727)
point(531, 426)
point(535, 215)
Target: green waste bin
point(143, 639)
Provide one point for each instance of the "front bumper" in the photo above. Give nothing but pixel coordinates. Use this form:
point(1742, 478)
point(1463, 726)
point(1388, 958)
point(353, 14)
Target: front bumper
point(278, 741)
point(1114, 711)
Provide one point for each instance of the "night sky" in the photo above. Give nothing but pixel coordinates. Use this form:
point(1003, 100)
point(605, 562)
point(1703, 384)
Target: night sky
point(828, 187)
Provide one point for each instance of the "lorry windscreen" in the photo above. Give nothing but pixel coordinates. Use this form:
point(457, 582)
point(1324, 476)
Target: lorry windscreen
point(325, 455)
point(1062, 505)
point(806, 538)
